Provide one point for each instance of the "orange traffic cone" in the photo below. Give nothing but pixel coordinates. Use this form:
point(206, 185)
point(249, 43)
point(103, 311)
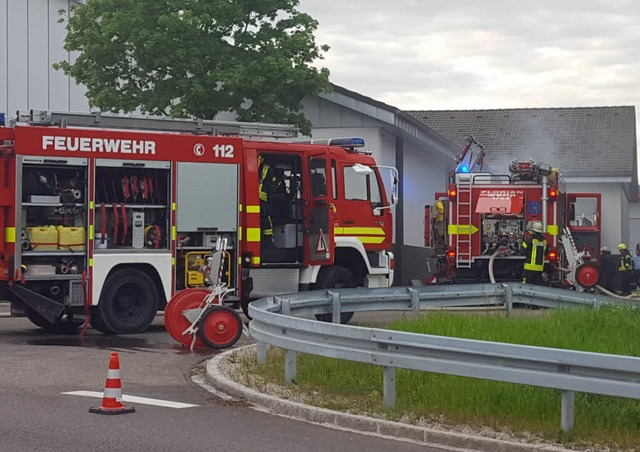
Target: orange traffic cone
point(112, 395)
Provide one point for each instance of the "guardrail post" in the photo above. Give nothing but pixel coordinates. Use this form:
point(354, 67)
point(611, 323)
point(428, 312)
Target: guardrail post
point(290, 357)
point(567, 407)
point(389, 386)
point(415, 300)
point(262, 352)
point(285, 305)
point(567, 411)
point(508, 299)
point(335, 307)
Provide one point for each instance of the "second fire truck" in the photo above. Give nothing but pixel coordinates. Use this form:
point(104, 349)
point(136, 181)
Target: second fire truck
point(109, 217)
point(477, 226)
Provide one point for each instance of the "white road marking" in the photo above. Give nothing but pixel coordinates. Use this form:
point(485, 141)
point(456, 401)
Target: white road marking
point(135, 399)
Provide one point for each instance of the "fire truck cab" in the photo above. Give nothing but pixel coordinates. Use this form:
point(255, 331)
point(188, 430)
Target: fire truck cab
point(108, 217)
point(478, 225)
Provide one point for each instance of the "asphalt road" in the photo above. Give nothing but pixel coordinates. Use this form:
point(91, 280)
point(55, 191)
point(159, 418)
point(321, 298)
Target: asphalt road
point(37, 368)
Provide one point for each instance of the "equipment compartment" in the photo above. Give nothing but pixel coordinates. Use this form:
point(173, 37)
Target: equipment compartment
point(47, 184)
point(213, 184)
point(132, 205)
point(52, 222)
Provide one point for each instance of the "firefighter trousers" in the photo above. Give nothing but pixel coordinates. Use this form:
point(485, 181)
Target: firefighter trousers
point(532, 277)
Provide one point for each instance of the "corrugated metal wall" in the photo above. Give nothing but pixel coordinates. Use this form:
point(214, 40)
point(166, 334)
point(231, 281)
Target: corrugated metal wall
point(634, 232)
point(31, 40)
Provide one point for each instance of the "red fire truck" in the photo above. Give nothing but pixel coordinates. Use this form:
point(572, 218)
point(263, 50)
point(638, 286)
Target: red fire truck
point(478, 225)
point(108, 217)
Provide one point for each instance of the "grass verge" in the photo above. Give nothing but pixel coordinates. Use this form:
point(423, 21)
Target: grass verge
point(424, 398)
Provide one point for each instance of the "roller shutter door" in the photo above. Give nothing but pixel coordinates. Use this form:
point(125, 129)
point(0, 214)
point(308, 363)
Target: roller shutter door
point(634, 232)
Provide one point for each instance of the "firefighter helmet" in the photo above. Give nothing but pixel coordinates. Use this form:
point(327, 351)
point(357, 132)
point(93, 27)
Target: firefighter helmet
point(536, 226)
point(622, 246)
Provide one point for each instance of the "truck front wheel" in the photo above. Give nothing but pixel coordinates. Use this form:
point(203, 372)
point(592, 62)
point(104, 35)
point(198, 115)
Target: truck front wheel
point(128, 302)
point(335, 277)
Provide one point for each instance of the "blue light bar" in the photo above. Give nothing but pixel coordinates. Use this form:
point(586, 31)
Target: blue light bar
point(1, 119)
point(347, 142)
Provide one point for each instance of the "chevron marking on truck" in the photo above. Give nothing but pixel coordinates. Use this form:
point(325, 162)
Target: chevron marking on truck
point(456, 229)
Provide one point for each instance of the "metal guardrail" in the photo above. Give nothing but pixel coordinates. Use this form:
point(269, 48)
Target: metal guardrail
point(276, 321)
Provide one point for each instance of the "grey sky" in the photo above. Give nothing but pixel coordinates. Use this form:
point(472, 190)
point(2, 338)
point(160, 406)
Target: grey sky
point(468, 54)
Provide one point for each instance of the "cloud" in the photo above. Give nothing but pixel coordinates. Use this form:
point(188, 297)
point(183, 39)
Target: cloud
point(491, 54)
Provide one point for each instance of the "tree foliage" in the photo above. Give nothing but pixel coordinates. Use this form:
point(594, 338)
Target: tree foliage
point(197, 58)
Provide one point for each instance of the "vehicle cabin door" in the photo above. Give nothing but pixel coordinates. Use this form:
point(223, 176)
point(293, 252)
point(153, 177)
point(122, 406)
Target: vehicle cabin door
point(318, 237)
point(359, 214)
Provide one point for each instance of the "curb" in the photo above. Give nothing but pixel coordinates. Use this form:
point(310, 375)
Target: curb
point(5, 308)
point(357, 423)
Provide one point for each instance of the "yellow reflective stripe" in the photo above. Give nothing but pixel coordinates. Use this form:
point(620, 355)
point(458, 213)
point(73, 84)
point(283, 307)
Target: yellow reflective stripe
point(90, 262)
point(173, 261)
point(455, 229)
point(173, 206)
point(173, 233)
point(358, 231)
point(374, 240)
point(364, 234)
point(91, 232)
point(240, 233)
point(239, 207)
point(91, 205)
point(552, 229)
point(10, 235)
point(253, 209)
point(253, 234)
point(536, 259)
point(256, 259)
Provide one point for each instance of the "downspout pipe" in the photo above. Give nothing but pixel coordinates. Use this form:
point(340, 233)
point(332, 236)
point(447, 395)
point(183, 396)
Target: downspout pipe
point(545, 201)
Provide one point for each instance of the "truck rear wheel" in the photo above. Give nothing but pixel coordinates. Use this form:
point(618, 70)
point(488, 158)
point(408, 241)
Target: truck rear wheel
point(128, 302)
point(335, 277)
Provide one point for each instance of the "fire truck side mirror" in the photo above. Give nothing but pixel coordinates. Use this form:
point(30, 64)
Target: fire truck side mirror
point(395, 180)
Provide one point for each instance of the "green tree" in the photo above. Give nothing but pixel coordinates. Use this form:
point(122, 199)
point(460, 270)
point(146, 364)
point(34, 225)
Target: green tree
point(196, 58)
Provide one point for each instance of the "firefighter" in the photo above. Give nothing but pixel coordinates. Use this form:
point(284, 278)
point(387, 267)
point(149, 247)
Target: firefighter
point(535, 250)
point(270, 184)
point(625, 267)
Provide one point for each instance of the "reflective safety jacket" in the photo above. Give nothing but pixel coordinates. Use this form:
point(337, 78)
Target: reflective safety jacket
point(535, 250)
point(263, 187)
point(626, 263)
point(270, 183)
